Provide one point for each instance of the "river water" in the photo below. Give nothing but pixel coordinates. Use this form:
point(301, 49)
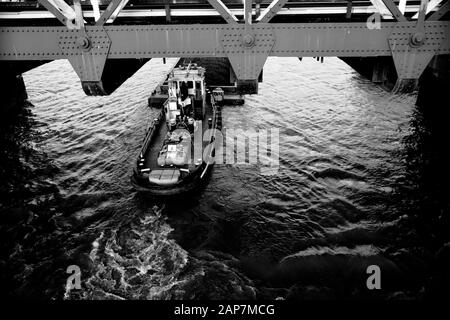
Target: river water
point(355, 187)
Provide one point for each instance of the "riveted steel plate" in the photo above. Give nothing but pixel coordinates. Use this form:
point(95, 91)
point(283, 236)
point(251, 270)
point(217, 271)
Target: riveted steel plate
point(349, 39)
point(352, 39)
point(411, 61)
point(88, 64)
point(247, 60)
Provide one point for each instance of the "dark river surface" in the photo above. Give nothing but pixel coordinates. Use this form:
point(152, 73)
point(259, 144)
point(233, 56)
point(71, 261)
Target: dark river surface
point(361, 181)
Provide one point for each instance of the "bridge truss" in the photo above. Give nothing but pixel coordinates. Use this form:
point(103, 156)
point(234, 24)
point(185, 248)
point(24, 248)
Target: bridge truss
point(246, 41)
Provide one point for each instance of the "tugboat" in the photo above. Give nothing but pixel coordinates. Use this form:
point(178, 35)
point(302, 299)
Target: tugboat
point(177, 153)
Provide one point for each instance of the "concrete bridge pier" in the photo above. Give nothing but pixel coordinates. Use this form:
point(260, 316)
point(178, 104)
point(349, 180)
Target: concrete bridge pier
point(12, 92)
point(380, 70)
point(433, 92)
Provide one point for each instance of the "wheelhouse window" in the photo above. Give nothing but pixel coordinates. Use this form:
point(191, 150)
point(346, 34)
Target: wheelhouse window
point(172, 105)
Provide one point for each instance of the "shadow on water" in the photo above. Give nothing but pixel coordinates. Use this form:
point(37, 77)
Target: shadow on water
point(415, 254)
point(426, 187)
point(41, 231)
point(26, 194)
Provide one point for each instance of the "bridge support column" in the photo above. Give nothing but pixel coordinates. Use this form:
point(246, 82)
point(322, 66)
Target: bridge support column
point(433, 90)
point(412, 50)
point(12, 92)
point(247, 49)
point(247, 86)
point(379, 70)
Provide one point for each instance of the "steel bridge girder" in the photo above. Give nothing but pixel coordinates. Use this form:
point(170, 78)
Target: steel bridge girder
point(246, 46)
point(247, 49)
point(153, 41)
point(411, 60)
point(86, 52)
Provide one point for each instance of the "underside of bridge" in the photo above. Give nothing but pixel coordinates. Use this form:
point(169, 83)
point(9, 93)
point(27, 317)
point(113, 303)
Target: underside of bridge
point(106, 42)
